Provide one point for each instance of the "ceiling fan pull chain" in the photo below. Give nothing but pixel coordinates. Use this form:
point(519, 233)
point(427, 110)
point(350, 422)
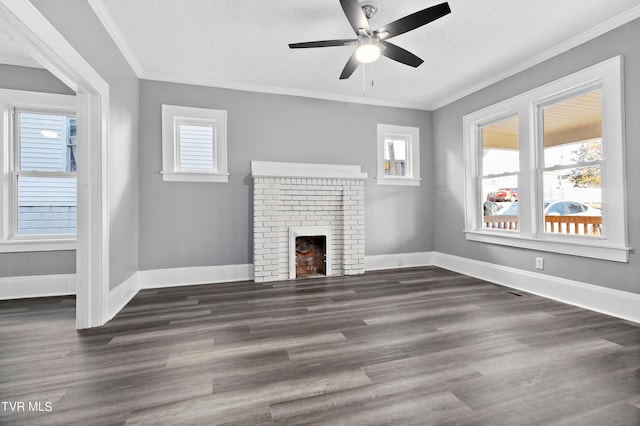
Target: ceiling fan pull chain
point(373, 68)
point(364, 80)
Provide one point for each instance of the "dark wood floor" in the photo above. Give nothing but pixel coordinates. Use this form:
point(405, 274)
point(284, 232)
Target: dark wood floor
point(414, 346)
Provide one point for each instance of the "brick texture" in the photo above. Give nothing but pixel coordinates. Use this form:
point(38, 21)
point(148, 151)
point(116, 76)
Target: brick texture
point(279, 203)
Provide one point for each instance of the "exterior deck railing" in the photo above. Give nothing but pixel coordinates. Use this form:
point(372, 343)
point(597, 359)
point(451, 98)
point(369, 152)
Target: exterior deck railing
point(578, 225)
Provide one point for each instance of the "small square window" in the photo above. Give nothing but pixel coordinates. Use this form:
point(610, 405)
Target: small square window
point(194, 144)
point(398, 155)
point(395, 157)
point(196, 147)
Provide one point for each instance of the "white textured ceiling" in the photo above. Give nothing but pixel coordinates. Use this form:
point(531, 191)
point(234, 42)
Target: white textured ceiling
point(243, 44)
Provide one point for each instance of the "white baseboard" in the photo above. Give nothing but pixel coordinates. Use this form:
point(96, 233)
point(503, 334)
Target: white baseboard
point(620, 304)
point(37, 286)
point(173, 277)
point(123, 293)
point(398, 260)
point(608, 301)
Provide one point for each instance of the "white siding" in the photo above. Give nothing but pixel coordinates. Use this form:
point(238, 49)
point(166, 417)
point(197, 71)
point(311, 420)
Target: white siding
point(47, 191)
point(42, 142)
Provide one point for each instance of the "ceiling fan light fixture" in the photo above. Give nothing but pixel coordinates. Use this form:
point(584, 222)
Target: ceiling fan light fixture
point(368, 52)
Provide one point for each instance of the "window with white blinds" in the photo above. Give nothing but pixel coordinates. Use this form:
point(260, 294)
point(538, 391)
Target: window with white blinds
point(194, 144)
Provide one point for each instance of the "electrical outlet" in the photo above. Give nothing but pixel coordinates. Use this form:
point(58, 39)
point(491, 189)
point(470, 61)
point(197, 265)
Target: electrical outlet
point(539, 263)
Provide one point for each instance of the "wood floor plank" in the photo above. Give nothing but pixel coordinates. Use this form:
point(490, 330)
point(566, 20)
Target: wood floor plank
point(409, 346)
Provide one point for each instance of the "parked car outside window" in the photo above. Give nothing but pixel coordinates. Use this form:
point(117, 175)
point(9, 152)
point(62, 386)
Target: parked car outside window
point(507, 194)
point(570, 208)
point(557, 208)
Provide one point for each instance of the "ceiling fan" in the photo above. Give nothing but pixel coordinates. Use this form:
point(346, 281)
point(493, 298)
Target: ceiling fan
point(372, 44)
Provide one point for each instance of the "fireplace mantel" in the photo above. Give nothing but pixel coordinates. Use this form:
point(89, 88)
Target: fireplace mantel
point(305, 170)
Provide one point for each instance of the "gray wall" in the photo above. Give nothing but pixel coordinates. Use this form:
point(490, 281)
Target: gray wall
point(449, 176)
point(78, 24)
point(46, 262)
point(32, 79)
point(199, 224)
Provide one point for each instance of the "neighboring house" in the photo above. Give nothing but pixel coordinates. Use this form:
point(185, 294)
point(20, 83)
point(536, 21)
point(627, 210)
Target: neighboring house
point(47, 204)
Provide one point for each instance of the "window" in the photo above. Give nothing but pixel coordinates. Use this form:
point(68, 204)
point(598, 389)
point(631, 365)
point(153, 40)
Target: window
point(38, 191)
point(44, 177)
point(500, 164)
point(194, 144)
point(545, 169)
point(398, 155)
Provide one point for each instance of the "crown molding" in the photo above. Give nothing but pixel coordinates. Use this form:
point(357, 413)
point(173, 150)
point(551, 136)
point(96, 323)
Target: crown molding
point(586, 36)
point(197, 81)
point(118, 38)
point(19, 61)
point(110, 25)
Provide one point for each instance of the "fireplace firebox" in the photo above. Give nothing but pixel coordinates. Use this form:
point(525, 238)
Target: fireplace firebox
point(311, 255)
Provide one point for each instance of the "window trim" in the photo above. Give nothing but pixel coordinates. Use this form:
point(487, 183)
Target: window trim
point(33, 101)
point(172, 116)
point(412, 135)
point(613, 246)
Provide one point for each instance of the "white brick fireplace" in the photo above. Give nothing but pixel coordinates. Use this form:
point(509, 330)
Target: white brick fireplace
point(300, 199)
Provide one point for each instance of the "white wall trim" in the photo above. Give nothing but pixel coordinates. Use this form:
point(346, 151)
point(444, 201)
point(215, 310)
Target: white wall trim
point(32, 32)
point(398, 260)
point(305, 170)
point(198, 81)
point(109, 24)
point(193, 275)
point(37, 286)
point(598, 30)
point(620, 304)
point(123, 293)
point(612, 302)
point(18, 61)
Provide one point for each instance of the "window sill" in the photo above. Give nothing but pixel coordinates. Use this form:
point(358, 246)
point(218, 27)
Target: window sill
point(401, 181)
point(18, 246)
point(593, 248)
point(194, 177)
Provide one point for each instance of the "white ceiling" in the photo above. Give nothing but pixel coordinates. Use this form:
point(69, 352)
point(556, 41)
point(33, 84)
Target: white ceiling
point(243, 44)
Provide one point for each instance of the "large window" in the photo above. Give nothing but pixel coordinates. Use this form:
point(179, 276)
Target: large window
point(545, 170)
point(194, 144)
point(38, 183)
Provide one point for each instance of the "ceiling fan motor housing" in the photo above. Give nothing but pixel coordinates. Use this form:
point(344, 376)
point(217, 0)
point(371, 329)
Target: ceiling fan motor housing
point(369, 10)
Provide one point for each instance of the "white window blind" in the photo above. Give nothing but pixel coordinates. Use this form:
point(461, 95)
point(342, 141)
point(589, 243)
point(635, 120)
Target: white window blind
point(196, 147)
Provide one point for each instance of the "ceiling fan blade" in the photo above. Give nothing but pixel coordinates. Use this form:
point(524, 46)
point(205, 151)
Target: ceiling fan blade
point(399, 54)
point(323, 43)
point(355, 15)
point(413, 21)
point(350, 67)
